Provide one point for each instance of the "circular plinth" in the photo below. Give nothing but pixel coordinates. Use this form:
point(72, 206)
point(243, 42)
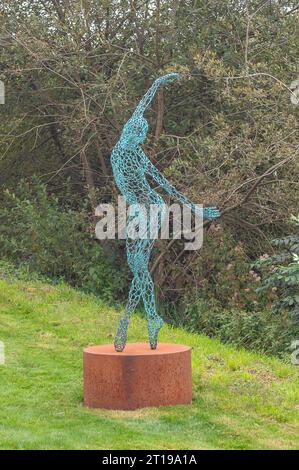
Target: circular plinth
point(137, 377)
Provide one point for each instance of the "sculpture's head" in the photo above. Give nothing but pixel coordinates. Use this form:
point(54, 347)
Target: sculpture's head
point(134, 131)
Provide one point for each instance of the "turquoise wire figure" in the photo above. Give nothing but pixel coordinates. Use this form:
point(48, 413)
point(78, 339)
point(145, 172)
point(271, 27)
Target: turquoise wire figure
point(130, 168)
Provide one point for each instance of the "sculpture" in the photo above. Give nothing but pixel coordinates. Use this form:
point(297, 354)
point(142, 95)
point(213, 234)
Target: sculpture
point(130, 167)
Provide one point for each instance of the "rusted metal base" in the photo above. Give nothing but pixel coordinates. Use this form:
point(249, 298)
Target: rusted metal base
point(138, 377)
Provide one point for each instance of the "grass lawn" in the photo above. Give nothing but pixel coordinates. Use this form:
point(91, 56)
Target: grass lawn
point(241, 400)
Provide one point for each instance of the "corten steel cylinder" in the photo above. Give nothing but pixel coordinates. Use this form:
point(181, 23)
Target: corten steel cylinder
point(138, 377)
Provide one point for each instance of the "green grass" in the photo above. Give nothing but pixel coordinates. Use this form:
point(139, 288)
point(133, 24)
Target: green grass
point(241, 400)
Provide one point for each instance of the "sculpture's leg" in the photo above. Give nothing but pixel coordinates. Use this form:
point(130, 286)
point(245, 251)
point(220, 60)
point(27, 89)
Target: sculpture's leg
point(132, 248)
point(154, 321)
point(122, 328)
point(138, 254)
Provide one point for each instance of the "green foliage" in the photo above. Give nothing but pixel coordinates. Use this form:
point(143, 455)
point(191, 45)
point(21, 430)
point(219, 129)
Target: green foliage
point(220, 273)
point(223, 269)
point(226, 304)
point(223, 301)
point(280, 273)
point(37, 233)
point(257, 330)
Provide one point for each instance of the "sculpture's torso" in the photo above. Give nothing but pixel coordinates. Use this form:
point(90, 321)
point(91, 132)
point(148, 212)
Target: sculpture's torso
point(129, 169)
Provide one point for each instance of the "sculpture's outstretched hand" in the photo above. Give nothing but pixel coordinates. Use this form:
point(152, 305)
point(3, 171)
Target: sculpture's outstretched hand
point(206, 212)
point(149, 95)
point(169, 78)
point(211, 213)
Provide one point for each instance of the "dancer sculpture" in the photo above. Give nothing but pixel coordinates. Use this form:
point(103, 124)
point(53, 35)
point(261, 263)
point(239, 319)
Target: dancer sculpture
point(130, 168)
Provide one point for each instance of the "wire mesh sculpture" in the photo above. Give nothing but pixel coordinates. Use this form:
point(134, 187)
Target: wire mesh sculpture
point(130, 168)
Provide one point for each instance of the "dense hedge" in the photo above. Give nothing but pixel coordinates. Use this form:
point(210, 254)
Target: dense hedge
point(37, 233)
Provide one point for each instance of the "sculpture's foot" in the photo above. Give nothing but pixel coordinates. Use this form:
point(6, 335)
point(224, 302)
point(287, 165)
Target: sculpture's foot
point(121, 334)
point(154, 324)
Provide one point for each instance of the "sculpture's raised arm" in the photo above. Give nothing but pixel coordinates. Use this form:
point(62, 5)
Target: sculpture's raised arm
point(149, 95)
point(206, 212)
